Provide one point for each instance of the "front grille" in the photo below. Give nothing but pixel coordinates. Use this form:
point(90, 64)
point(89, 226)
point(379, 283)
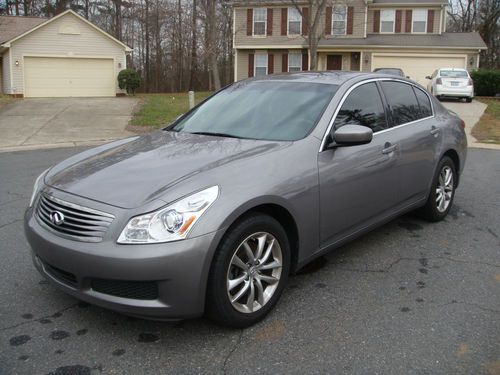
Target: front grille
point(143, 290)
point(60, 275)
point(80, 223)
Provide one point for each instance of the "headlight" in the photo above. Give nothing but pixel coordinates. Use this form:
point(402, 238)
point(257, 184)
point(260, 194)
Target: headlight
point(170, 223)
point(37, 186)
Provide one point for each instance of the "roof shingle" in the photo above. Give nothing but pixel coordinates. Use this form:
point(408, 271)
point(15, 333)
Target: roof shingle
point(454, 40)
point(12, 26)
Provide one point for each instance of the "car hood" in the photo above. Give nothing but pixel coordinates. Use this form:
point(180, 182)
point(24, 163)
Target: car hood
point(132, 172)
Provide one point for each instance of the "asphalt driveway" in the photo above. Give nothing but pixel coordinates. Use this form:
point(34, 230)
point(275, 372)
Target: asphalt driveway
point(62, 122)
point(409, 298)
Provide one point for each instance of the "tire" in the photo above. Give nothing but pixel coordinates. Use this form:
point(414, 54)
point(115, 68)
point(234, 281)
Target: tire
point(438, 97)
point(436, 209)
point(222, 304)
point(468, 100)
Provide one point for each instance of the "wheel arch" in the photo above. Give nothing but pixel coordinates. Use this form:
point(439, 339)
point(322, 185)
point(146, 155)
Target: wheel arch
point(277, 209)
point(453, 155)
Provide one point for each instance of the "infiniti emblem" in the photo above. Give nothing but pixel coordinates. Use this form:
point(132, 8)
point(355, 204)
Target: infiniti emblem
point(57, 217)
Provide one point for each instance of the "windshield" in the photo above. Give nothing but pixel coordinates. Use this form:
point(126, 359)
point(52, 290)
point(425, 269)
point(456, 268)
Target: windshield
point(454, 73)
point(269, 110)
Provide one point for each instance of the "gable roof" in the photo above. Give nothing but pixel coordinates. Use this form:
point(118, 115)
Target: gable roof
point(47, 21)
point(12, 26)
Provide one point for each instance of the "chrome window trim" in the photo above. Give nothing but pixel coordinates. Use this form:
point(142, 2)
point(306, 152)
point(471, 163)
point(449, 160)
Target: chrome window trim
point(78, 207)
point(348, 92)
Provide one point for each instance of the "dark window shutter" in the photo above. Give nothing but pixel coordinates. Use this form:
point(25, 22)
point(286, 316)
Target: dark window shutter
point(284, 20)
point(350, 19)
point(376, 21)
point(398, 21)
point(284, 62)
point(430, 21)
point(270, 63)
point(249, 22)
point(305, 21)
point(305, 62)
point(328, 21)
point(409, 15)
point(269, 21)
point(250, 64)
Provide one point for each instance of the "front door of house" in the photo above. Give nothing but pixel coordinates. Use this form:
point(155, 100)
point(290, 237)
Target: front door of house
point(334, 62)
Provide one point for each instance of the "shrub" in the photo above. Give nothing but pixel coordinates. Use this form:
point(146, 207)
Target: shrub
point(129, 80)
point(486, 82)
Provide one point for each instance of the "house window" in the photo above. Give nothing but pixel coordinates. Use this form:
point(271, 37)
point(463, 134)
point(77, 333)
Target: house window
point(259, 21)
point(294, 62)
point(294, 21)
point(387, 20)
point(260, 64)
point(419, 24)
point(339, 16)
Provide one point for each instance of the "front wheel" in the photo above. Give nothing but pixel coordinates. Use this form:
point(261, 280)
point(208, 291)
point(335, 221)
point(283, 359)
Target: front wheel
point(248, 273)
point(442, 191)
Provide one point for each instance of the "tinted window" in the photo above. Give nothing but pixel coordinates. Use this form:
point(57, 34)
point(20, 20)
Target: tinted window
point(423, 102)
point(454, 73)
point(363, 106)
point(404, 106)
point(270, 110)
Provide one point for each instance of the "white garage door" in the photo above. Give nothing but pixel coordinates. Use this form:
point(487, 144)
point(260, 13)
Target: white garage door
point(418, 67)
point(68, 77)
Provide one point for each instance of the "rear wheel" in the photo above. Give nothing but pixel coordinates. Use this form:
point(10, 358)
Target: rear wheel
point(442, 191)
point(468, 100)
point(249, 272)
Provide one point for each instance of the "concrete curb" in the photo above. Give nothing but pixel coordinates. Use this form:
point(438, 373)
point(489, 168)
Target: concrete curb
point(54, 145)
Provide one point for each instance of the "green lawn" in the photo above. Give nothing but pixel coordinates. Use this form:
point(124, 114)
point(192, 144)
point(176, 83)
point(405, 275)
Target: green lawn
point(158, 110)
point(487, 130)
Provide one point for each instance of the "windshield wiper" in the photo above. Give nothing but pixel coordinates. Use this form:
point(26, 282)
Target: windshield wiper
point(217, 134)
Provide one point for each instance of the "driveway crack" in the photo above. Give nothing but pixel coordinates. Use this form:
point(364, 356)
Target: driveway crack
point(233, 349)
point(45, 124)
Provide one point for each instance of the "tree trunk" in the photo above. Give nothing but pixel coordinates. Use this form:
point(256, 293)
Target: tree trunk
point(212, 42)
point(146, 42)
point(194, 63)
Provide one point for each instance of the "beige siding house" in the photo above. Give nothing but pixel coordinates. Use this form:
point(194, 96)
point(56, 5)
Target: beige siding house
point(65, 56)
point(270, 36)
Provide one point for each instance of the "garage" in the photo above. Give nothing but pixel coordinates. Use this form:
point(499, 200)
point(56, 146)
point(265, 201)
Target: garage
point(417, 67)
point(68, 77)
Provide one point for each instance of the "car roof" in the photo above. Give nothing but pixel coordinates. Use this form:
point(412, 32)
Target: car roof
point(326, 77)
point(461, 69)
point(387, 68)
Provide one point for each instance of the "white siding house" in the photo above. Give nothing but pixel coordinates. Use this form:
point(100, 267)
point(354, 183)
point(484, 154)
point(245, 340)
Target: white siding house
point(63, 56)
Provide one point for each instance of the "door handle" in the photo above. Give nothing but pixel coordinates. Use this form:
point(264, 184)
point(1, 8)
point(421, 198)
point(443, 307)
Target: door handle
point(435, 131)
point(388, 148)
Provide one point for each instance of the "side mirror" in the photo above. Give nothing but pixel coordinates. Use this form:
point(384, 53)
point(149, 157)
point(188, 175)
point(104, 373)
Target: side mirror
point(428, 77)
point(352, 134)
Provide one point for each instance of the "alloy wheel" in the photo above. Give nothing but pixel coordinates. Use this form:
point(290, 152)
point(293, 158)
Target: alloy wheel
point(444, 189)
point(254, 272)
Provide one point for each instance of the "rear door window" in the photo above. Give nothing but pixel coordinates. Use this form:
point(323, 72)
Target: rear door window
point(423, 102)
point(364, 107)
point(402, 101)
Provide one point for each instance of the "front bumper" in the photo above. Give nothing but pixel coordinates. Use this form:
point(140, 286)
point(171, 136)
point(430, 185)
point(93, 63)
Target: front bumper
point(460, 92)
point(177, 271)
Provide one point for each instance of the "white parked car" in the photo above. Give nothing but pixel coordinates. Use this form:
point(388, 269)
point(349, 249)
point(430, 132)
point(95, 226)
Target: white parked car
point(451, 83)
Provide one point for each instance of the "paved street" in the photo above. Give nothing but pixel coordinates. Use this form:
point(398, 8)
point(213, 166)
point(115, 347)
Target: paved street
point(409, 298)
